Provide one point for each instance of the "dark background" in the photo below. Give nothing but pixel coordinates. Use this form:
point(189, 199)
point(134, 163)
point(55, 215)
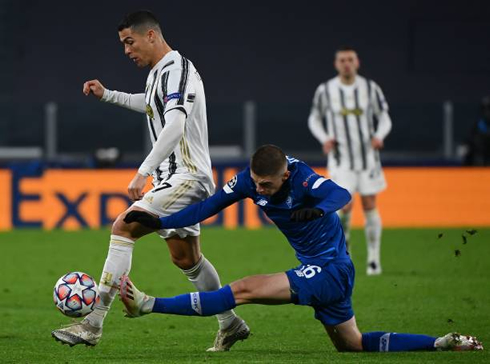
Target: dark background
point(421, 53)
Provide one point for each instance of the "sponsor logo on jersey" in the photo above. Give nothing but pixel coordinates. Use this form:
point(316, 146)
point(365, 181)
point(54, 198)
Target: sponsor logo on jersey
point(149, 111)
point(262, 202)
point(356, 112)
point(191, 97)
point(175, 95)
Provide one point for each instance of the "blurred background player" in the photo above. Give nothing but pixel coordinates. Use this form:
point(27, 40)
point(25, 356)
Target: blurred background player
point(349, 117)
point(179, 162)
point(303, 205)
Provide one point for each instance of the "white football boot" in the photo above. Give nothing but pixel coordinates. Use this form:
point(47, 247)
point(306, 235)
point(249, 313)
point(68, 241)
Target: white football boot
point(457, 342)
point(136, 303)
point(78, 333)
point(225, 339)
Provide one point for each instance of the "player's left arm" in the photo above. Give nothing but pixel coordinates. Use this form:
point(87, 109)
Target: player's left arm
point(178, 106)
point(330, 196)
point(384, 120)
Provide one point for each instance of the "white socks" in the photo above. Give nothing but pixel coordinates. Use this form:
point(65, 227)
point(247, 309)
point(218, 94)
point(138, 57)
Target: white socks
point(373, 235)
point(205, 278)
point(118, 262)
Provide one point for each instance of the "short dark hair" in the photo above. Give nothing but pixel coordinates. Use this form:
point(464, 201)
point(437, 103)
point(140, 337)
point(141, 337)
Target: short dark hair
point(345, 48)
point(268, 160)
point(140, 20)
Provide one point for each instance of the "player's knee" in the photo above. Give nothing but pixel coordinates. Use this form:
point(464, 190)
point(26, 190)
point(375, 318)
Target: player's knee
point(184, 262)
point(119, 227)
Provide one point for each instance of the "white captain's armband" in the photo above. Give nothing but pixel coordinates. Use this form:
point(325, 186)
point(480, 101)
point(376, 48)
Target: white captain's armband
point(318, 183)
point(228, 188)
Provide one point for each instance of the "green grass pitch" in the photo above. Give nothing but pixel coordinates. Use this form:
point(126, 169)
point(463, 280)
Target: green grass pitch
point(427, 287)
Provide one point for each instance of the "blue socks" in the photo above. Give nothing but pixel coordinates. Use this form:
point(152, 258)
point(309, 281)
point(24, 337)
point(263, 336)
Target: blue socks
point(197, 303)
point(386, 341)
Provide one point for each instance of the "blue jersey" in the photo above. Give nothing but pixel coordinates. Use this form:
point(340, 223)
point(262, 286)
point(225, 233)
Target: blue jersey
point(319, 240)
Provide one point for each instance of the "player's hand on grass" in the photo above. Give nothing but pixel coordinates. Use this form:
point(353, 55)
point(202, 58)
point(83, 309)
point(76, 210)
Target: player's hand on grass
point(144, 219)
point(95, 87)
point(377, 143)
point(329, 145)
point(135, 188)
point(306, 214)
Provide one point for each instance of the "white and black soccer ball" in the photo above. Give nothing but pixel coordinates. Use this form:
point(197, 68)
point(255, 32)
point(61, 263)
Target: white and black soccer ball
point(76, 294)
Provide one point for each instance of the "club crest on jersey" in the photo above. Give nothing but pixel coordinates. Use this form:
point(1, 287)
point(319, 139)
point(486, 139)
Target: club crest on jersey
point(175, 95)
point(356, 112)
point(149, 111)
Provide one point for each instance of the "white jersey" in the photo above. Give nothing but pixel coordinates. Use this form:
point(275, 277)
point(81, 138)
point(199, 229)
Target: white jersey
point(174, 83)
point(349, 114)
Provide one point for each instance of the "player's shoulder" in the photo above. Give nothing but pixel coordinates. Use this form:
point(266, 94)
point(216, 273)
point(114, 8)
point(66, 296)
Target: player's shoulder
point(240, 183)
point(326, 84)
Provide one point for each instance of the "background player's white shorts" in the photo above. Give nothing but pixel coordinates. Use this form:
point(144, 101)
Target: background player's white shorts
point(369, 182)
point(171, 196)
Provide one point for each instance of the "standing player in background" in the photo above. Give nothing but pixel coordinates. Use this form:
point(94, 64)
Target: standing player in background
point(343, 119)
point(179, 162)
point(303, 205)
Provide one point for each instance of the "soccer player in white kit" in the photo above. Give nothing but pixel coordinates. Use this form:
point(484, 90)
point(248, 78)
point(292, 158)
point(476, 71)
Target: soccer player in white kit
point(349, 117)
point(175, 107)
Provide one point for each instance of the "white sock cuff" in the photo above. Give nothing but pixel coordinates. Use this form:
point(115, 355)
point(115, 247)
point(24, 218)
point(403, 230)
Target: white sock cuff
point(121, 242)
point(194, 271)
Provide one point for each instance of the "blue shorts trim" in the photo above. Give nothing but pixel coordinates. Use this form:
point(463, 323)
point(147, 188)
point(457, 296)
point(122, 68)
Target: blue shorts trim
point(327, 288)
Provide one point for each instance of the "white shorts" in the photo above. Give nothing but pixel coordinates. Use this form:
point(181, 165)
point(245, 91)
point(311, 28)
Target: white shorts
point(171, 196)
point(369, 182)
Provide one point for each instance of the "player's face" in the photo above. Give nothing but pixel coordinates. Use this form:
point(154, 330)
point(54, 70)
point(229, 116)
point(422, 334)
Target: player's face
point(346, 63)
point(269, 185)
point(137, 45)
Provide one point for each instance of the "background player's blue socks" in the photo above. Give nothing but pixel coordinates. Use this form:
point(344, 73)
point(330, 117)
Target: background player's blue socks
point(197, 303)
point(386, 341)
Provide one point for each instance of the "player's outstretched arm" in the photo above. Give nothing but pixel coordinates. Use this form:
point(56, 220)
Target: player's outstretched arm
point(189, 216)
point(135, 102)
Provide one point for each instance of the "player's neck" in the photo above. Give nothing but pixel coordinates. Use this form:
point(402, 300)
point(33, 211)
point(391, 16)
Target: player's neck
point(160, 52)
point(348, 80)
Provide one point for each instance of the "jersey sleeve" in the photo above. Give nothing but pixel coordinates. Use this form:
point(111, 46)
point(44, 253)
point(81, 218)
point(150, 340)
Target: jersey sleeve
point(229, 194)
point(328, 196)
point(178, 89)
point(381, 111)
point(315, 120)
point(135, 102)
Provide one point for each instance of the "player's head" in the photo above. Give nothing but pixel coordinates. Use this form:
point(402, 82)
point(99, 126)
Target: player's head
point(346, 62)
point(140, 33)
point(269, 169)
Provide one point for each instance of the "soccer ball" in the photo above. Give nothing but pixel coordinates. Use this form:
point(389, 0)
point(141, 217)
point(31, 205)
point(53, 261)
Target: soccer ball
point(75, 294)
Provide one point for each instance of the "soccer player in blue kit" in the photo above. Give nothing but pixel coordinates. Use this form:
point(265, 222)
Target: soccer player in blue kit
point(302, 204)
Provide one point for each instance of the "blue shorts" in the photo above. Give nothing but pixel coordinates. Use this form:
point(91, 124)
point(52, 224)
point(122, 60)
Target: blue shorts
point(327, 288)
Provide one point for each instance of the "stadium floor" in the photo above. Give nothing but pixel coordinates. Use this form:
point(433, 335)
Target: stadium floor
point(431, 285)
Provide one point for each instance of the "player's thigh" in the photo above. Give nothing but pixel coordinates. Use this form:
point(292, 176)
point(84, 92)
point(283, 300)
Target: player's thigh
point(265, 289)
point(133, 230)
point(184, 252)
point(372, 182)
point(346, 335)
point(171, 196)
